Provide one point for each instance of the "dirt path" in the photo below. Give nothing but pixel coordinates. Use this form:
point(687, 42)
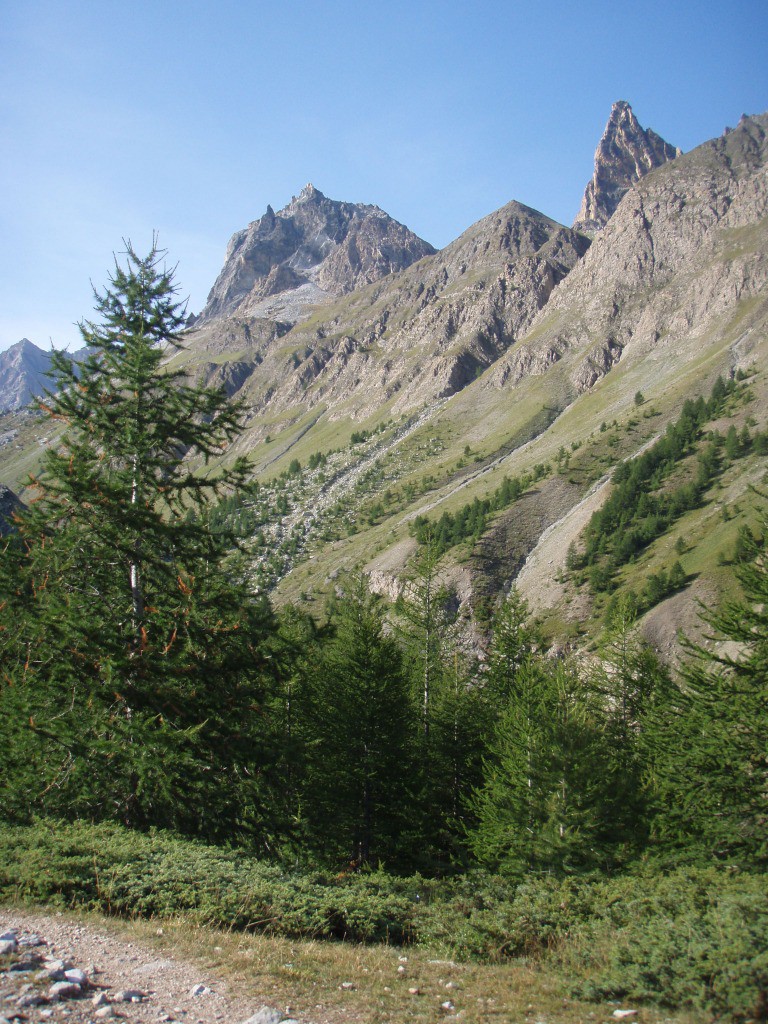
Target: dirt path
point(124, 979)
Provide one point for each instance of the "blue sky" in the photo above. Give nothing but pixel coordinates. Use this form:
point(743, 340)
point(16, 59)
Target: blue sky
point(188, 118)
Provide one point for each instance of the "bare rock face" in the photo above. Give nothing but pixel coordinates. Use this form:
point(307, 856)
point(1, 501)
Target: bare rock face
point(682, 265)
point(22, 375)
point(427, 332)
point(625, 154)
point(314, 250)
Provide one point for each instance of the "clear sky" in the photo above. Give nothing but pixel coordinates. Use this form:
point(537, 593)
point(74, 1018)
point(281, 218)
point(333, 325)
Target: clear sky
point(119, 118)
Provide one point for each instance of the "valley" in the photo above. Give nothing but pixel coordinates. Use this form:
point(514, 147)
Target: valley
point(422, 379)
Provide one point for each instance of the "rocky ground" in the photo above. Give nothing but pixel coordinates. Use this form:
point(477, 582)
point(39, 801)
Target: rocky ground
point(52, 969)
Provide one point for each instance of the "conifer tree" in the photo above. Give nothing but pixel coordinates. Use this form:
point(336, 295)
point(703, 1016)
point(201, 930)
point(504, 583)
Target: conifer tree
point(133, 674)
point(451, 764)
point(297, 646)
point(451, 714)
point(711, 776)
point(423, 630)
point(358, 729)
point(514, 639)
point(537, 807)
point(630, 683)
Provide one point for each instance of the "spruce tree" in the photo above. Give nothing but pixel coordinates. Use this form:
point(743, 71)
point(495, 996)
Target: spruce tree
point(134, 674)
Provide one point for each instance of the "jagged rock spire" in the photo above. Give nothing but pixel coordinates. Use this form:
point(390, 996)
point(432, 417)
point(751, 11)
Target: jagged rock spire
point(626, 152)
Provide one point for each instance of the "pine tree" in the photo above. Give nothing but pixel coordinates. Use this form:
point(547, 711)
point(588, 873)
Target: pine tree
point(514, 639)
point(424, 629)
point(630, 683)
point(297, 647)
point(134, 675)
point(451, 715)
point(451, 764)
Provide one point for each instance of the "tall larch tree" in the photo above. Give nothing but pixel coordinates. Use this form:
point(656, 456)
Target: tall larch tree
point(133, 674)
point(711, 734)
point(536, 810)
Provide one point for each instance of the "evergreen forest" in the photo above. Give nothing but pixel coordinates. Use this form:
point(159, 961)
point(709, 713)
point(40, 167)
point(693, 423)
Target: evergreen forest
point(155, 708)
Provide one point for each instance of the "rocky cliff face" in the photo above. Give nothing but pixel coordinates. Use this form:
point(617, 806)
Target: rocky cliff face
point(418, 335)
point(308, 253)
point(684, 252)
point(625, 154)
point(22, 374)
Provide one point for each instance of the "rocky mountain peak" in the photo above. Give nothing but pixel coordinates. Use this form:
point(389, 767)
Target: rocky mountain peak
point(626, 152)
point(310, 193)
point(22, 374)
point(310, 252)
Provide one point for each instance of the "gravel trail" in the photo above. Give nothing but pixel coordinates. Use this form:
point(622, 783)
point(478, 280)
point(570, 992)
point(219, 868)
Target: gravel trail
point(40, 955)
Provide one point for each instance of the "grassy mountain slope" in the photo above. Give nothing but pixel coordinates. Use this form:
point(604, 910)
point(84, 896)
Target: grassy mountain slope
point(671, 295)
point(519, 351)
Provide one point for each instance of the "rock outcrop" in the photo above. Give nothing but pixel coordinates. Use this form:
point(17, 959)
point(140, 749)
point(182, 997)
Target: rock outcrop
point(685, 253)
point(625, 154)
point(22, 374)
point(419, 335)
point(312, 251)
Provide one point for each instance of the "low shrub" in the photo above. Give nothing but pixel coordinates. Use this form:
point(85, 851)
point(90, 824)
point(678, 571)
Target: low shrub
point(103, 867)
point(686, 937)
point(696, 937)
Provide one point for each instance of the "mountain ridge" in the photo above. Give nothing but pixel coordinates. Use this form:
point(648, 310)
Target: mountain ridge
point(521, 348)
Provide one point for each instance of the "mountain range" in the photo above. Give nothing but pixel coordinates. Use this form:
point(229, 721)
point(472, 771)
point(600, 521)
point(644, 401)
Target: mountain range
point(387, 384)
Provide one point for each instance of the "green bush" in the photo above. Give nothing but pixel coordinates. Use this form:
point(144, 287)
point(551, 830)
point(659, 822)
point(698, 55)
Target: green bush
point(686, 937)
point(691, 938)
point(696, 937)
point(104, 867)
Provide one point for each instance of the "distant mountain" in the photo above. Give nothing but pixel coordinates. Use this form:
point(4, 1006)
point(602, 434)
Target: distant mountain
point(418, 335)
point(625, 154)
point(22, 374)
point(310, 252)
point(492, 388)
